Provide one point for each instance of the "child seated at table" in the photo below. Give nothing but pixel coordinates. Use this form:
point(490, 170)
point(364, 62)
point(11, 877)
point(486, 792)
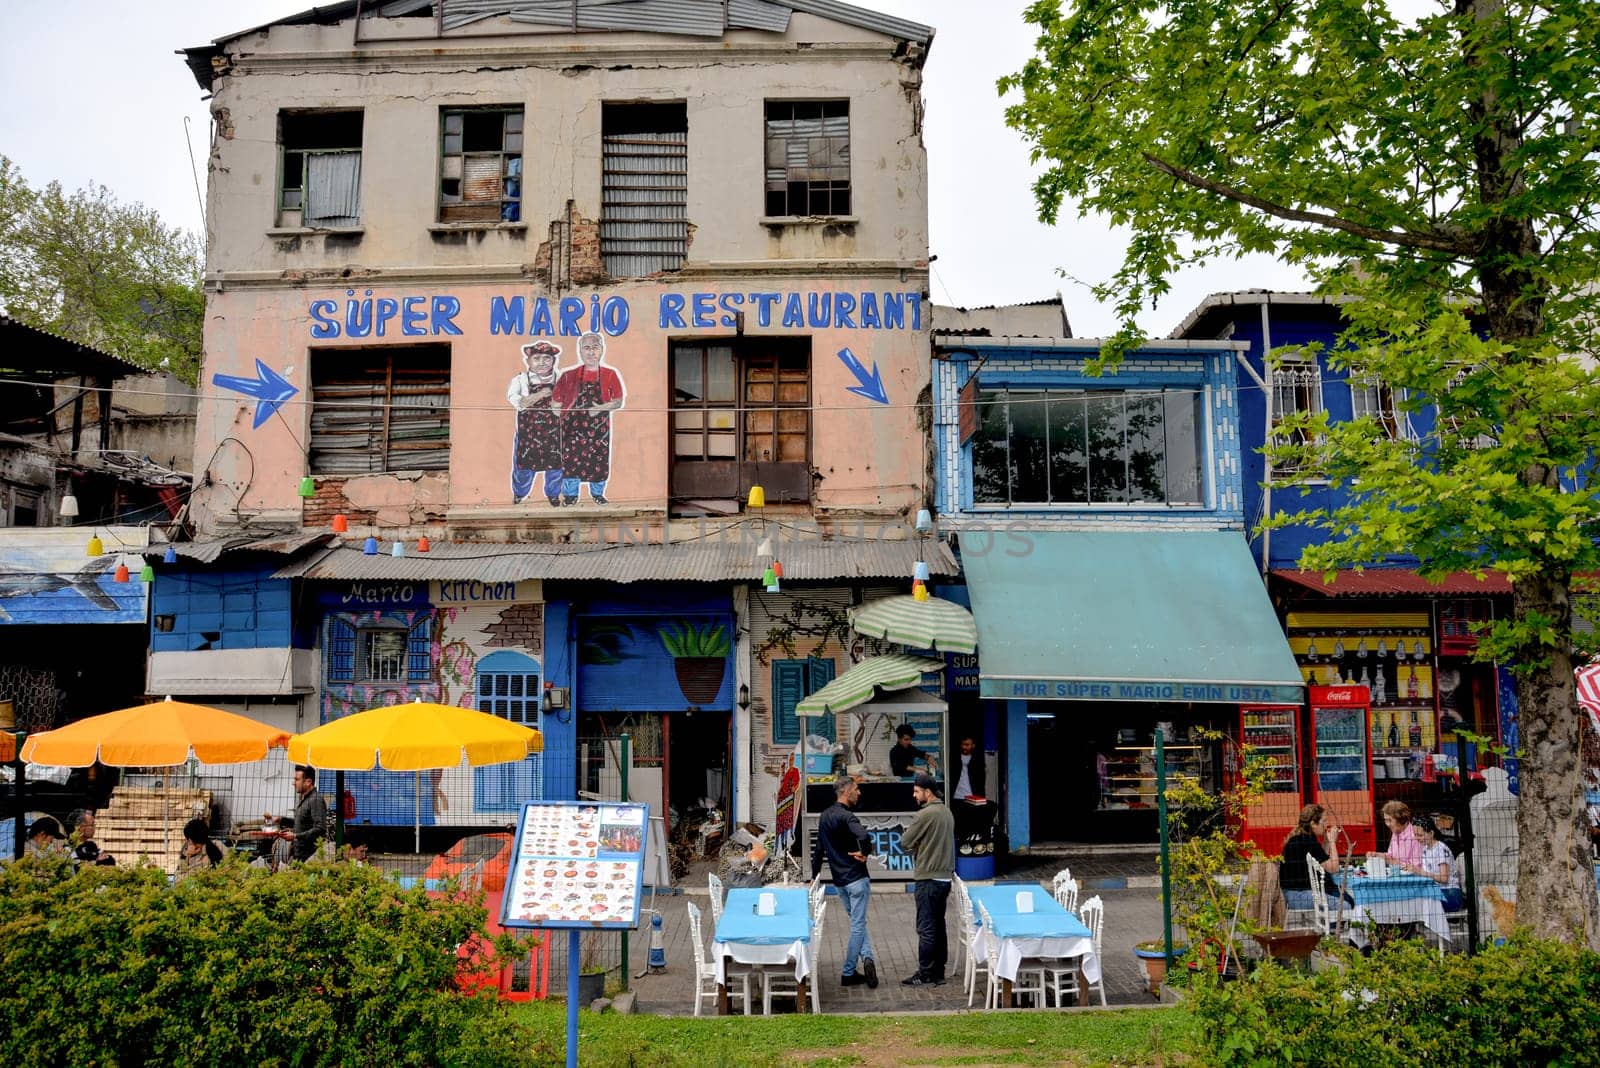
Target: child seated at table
point(1438, 863)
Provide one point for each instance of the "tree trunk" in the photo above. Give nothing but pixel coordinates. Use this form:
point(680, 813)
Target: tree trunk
point(1556, 893)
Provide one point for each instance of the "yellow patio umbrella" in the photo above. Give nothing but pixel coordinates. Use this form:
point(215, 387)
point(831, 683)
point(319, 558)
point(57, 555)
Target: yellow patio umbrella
point(160, 734)
point(419, 736)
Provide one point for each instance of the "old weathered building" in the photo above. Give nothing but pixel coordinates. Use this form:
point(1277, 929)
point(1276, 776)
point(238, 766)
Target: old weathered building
point(555, 287)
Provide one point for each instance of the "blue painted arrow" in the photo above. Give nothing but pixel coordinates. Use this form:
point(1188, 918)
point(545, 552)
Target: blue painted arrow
point(269, 388)
point(871, 385)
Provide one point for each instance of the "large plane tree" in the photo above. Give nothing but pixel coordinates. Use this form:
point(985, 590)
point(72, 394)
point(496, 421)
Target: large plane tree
point(1436, 165)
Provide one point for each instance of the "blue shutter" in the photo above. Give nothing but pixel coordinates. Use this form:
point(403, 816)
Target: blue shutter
point(419, 651)
point(820, 673)
point(789, 679)
point(341, 651)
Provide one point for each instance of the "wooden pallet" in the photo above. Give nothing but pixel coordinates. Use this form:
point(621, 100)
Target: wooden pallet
point(147, 821)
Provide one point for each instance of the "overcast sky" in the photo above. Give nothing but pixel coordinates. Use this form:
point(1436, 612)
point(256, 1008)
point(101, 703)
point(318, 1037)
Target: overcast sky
point(94, 93)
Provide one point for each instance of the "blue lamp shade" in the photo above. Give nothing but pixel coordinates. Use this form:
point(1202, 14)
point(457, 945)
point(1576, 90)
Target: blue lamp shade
point(170, 556)
point(920, 572)
point(370, 548)
point(924, 520)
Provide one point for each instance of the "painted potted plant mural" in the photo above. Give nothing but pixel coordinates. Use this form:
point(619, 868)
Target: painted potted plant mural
point(699, 658)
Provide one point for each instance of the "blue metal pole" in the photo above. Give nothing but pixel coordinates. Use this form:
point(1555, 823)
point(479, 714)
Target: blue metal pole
point(572, 998)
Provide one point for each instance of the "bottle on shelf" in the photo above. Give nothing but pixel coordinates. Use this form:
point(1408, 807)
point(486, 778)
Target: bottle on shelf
point(1394, 730)
point(1412, 689)
point(1415, 732)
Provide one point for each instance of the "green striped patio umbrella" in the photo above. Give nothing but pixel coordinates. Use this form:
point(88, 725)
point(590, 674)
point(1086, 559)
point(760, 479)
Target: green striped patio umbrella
point(858, 685)
point(943, 626)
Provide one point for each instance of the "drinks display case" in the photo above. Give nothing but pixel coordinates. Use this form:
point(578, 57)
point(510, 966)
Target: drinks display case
point(1272, 732)
point(1340, 768)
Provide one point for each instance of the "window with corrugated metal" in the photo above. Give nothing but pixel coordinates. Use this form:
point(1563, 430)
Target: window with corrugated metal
point(480, 165)
point(319, 168)
point(808, 157)
point(380, 409)
point(644, 219)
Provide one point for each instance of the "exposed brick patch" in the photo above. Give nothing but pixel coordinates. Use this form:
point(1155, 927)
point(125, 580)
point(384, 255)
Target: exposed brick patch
point(330, 501)
point(571, 256)
point(520, 626)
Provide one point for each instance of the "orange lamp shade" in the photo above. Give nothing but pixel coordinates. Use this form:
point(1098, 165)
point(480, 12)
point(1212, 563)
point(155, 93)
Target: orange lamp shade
point(341, 524)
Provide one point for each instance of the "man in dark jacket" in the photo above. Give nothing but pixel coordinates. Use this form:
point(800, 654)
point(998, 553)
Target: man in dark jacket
point(844, 843)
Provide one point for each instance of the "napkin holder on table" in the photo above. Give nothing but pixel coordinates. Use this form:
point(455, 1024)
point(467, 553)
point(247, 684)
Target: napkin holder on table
point(767, 904)
point(1024, 901)
point(1377, 868)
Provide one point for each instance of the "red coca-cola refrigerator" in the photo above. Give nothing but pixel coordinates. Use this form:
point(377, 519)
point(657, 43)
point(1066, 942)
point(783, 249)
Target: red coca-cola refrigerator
point(1339, 770)
point(1273, 734)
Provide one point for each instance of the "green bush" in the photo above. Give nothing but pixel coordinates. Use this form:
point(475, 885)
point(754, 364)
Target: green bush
point(1523, 1003)
point(327, 964)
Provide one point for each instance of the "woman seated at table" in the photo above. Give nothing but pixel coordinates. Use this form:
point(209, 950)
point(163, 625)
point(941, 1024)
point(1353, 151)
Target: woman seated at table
point(1438, 863)
point(1405, 849)
point(1315, 835)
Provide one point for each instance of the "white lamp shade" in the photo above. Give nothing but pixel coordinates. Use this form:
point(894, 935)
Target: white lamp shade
point(69, 506)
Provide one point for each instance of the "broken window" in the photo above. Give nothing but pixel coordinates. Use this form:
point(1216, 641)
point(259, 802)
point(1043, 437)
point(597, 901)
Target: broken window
point(741, 416)
point(320, 168)
point(480, 165)
point(644, 223)
point(380, 409)
point(808, 157)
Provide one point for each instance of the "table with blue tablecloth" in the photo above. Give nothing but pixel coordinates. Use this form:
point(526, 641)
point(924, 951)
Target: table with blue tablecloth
point(743, 936)
point(1047, 932)
point(1394, 899)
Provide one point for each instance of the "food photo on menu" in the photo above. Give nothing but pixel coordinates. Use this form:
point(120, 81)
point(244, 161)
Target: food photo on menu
point(559, 877)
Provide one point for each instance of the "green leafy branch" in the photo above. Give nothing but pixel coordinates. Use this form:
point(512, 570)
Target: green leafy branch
point(804, 620)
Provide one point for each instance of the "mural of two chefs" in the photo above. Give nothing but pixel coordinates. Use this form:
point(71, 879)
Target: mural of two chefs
point(563, 421)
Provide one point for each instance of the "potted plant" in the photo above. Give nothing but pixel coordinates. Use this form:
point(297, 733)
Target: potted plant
point(592, 968)
point(699, 658)
point(1152, 953)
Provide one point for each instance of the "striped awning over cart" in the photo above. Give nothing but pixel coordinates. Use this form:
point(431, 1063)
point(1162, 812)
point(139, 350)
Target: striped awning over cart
point(1589, 690)
point(936, 624)
point(862, 682)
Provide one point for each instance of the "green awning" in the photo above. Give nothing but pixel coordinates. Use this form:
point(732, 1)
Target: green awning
point(862, 682)
point(943, 626)
point(1136, 616)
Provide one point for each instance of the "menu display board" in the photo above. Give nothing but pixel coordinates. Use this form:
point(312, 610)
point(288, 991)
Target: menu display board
point(577, 864)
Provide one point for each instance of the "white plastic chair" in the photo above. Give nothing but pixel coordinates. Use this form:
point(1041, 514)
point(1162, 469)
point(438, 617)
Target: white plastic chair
point(1066, 893)
point(968, 943)
point(1321, 915)
point(706, 970)
point(959, 889)
point(779, 978)
point(1093, 917)
point(1020, 986)
point(816, 891)
point(714, 885)
point(1062, 877)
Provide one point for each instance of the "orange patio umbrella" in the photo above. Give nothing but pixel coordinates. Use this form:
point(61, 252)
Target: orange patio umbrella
point(161, 734)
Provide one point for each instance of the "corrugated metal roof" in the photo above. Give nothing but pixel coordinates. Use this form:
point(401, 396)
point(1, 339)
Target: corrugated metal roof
point(678, 562)
point(209, 552)
point(1398, 582)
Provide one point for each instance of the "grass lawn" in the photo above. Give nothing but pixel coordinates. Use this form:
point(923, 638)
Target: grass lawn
point(1135, 1036)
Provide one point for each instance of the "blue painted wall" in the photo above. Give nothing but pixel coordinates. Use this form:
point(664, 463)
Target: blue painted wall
point(245, 609)
point(560, 728)
point(623, 664)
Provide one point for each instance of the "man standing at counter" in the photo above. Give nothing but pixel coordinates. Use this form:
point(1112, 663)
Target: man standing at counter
point(845, 843)
point(904, 754)
point(931, 841)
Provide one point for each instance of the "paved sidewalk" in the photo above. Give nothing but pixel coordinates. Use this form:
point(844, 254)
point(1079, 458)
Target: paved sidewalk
point(1132, 915)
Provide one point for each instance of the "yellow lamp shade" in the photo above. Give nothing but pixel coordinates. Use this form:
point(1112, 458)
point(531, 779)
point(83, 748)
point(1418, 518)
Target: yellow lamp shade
point(758, 497)
point(96, 547)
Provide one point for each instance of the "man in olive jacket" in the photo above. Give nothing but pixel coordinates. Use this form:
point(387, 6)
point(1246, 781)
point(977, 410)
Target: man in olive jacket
point(931, 841)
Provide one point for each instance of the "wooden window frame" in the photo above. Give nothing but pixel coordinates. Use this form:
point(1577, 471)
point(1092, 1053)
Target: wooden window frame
point(785, 181)
point(512, 175)
point(728, 479)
